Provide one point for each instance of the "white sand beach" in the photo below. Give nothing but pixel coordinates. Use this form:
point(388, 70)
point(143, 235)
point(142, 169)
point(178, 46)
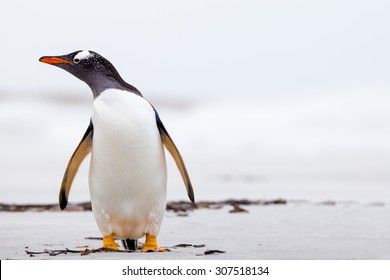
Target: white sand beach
point(300, 231)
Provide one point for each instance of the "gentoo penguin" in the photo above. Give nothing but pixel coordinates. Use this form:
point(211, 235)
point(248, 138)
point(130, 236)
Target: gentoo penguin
point(127, 175)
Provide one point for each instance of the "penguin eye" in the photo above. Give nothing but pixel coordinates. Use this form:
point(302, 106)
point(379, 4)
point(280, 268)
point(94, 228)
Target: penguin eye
point(76, 60)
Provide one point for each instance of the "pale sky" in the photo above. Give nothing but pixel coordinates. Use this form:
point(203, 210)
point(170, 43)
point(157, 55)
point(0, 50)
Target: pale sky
point(202, 47)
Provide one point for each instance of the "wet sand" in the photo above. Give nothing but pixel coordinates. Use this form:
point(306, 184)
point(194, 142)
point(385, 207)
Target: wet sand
point(296, 230)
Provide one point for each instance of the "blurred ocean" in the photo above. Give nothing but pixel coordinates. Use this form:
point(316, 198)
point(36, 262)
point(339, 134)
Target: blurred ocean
point(333, 146)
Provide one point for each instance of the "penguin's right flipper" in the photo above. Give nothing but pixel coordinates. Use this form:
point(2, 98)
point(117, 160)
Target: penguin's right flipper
point(168, 142)
point(78, 156)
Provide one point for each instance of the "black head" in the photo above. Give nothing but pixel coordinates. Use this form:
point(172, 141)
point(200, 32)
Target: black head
point(92, 68)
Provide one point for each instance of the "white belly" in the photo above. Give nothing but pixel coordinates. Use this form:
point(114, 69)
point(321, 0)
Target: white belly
point(128, 169)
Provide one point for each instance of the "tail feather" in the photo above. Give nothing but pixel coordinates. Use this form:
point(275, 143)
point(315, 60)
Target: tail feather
point(130, 244)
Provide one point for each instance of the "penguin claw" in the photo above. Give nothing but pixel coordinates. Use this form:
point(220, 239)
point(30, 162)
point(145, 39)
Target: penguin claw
point(109, 242)
point(151, 245)
point(116, 248)
point(148, 249)
point(163, 250)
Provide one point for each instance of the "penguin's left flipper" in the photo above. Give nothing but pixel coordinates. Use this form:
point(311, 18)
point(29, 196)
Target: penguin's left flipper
point(167, 140)
point(79, 154)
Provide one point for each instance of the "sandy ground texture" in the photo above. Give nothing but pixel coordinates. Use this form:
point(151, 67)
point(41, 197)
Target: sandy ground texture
point(296, 230)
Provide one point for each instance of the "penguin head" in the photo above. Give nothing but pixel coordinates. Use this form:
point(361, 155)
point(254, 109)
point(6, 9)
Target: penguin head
point(92, 68)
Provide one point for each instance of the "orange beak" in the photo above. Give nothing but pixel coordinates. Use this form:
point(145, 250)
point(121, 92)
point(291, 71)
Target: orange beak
point(53, 60)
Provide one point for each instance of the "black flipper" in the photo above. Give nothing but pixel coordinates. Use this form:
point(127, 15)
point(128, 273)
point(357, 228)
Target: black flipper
point(171, 147)
point(78, 156)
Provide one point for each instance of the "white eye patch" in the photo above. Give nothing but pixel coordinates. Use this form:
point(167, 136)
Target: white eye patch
point(83, 55)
